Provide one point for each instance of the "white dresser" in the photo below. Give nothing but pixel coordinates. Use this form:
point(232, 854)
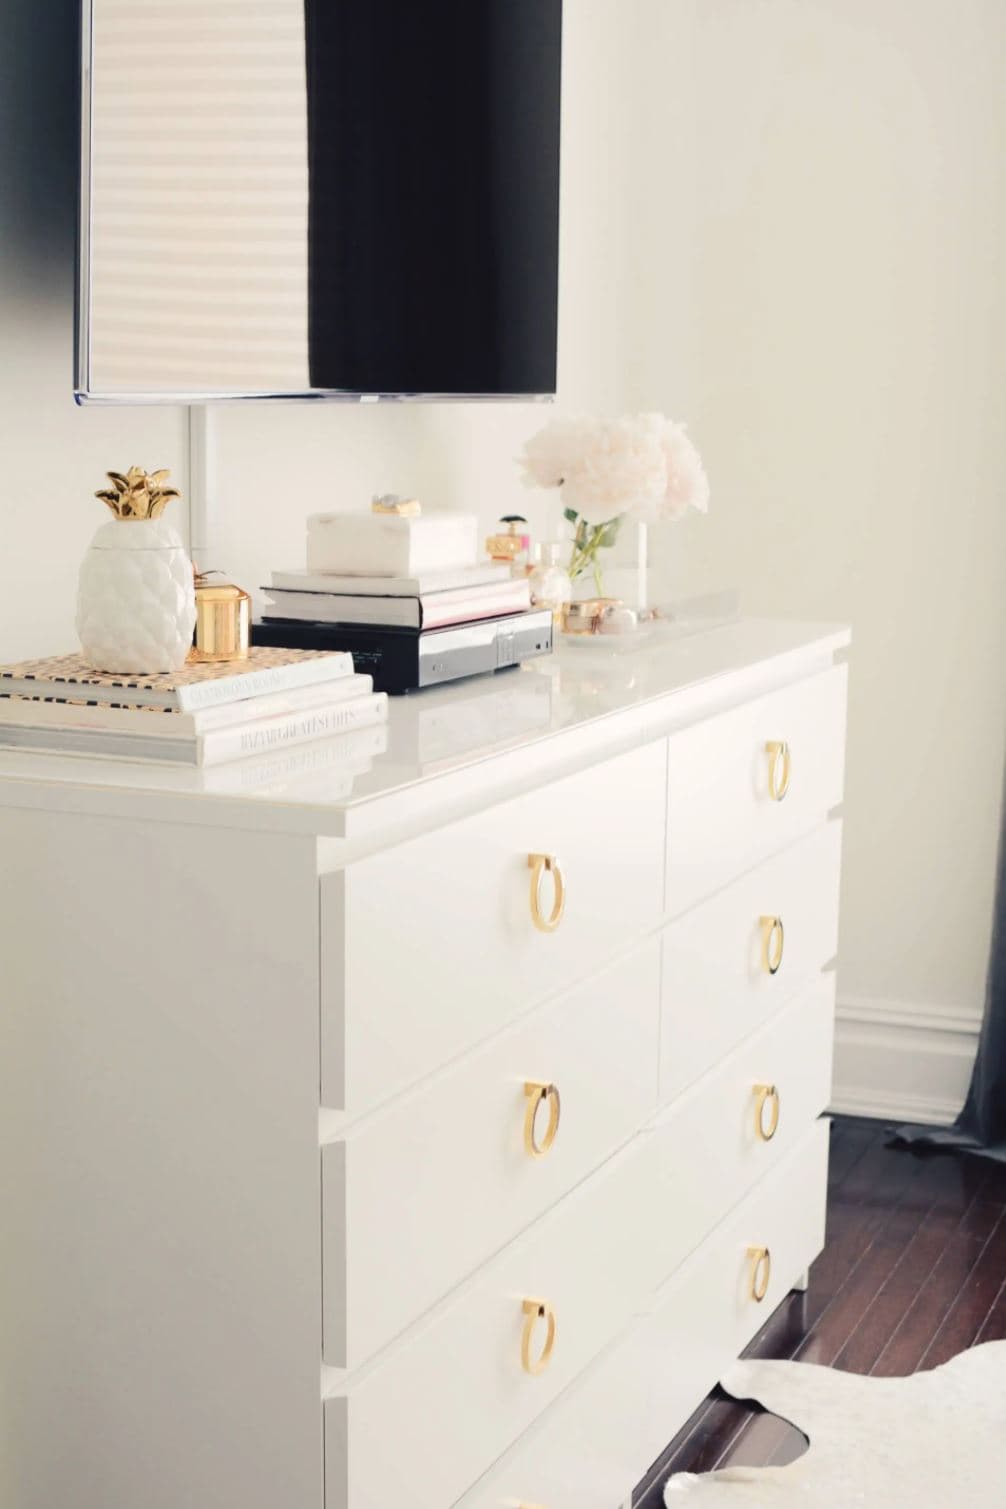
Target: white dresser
point(424, 1118)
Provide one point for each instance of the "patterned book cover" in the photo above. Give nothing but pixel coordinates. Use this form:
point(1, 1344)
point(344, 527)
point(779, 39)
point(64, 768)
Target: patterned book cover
point(68, 678)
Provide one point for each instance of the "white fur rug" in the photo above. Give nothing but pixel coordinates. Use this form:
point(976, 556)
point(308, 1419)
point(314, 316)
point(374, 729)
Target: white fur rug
point(934, 1440)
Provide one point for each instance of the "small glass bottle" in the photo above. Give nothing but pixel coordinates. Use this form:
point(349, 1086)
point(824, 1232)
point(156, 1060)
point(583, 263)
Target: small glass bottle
point(512, 546)
point(549, 581)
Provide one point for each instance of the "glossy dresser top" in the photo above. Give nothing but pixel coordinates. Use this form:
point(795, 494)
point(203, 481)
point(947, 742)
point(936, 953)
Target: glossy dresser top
point(478, 740)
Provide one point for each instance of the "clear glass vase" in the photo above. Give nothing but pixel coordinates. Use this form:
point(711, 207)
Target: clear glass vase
point(611, 560)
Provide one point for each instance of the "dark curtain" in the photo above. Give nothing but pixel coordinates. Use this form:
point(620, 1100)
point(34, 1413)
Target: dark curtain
point(981, 1126)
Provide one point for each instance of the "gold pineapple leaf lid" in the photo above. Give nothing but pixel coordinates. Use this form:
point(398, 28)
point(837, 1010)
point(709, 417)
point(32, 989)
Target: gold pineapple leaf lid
point(138, 495)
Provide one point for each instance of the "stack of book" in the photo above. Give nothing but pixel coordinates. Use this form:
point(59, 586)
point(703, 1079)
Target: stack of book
point(408, 596)
point(412, 572)
point(202, 715)
point(431, 600)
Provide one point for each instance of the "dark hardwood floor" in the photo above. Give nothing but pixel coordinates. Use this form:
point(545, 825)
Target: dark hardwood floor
point(914, 1271)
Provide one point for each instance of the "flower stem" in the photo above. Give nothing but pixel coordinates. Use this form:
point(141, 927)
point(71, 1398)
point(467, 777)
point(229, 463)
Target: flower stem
point(588, 542)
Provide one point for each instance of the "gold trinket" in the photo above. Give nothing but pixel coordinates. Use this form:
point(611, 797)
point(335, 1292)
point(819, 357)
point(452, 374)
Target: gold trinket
point(223, 620)
point(391, 503)
point(584, 617)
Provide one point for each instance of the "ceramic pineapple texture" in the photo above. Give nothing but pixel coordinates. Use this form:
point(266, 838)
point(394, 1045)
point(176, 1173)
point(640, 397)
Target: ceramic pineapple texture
point(136, 608)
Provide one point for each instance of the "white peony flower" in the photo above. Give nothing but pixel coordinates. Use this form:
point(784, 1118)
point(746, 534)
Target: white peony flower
point(641, 464)
point(621, 466)
point(687, 485)
point(550, 454)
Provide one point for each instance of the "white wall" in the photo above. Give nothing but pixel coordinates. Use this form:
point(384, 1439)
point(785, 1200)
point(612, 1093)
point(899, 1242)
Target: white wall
point(846, 380)
point(782, 220)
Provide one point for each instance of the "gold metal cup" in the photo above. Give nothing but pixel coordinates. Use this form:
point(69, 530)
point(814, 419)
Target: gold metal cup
point(223, 621)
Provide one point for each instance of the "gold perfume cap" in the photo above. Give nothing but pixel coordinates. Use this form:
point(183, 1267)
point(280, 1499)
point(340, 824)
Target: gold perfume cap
point(223, 620)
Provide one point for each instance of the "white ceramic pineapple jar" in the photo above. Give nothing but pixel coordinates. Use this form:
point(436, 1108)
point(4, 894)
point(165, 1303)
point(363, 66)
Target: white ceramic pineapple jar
point(136, 608)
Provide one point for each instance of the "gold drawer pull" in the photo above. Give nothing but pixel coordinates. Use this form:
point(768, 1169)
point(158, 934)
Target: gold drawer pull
point(761, 1272)
point(537, 1093)
point(539, 865)
point(779, 765)
point(766, 1095)
point(773, 940)
point(534, 1311)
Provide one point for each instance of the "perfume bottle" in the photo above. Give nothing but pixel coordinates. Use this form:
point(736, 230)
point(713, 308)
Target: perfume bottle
point(549, 581)
point(512, 545)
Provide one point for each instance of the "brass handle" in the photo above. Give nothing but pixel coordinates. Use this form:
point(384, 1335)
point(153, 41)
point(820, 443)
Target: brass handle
point(761, 1272)
point(773, 940)
point(780, 763)
point(537, 1093)
point(534, 1311)
point(539, 865)
point(766, 1095)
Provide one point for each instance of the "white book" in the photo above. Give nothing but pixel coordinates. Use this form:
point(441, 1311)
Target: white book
point(392, 586)
point(434, 610)
point(196, 685)
point(257, 737)
point(168, 723)
point(374, 544)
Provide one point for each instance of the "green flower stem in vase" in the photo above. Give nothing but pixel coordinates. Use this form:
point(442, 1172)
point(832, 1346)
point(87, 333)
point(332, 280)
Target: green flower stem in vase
point(589, 540)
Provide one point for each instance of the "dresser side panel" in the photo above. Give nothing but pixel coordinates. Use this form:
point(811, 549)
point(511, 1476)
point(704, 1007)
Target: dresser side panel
point(158, 1080)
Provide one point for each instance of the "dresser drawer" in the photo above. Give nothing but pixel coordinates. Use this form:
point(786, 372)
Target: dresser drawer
point(418, 1195)
point(717, 987)
point(747, 783)
point(419, 1425)
point(590, 1448)
point(431, 947)
point(732, 1127)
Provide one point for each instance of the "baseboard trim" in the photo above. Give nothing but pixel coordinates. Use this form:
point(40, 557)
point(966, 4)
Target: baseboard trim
point(881, 1105)
point(902, 1061)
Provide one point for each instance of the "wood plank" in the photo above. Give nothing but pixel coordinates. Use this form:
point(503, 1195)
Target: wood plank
point(948, 1186)
point(849, 1142)
point(994, 1328)
point(970, 1309)
point(830, 1334)
point(904, 1350)
point(880, 1175)
point(994, 1187)
point(882, 1316)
